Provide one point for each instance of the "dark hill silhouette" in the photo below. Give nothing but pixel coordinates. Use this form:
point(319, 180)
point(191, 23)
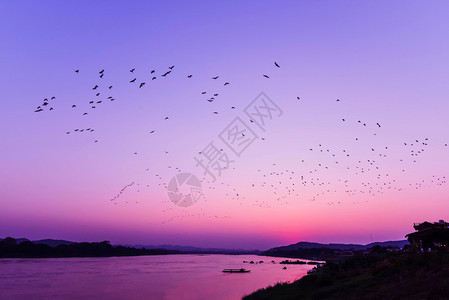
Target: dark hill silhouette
point(378, 275)
point(307, 245)
point(177, 248)
point(190, 249)
point(10, 248)
point(19, 240)
point(325, 251)
point(399, 244)
point(49, 242)
point(52, 243)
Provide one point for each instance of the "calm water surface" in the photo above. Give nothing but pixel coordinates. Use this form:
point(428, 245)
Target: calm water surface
point(142, 277)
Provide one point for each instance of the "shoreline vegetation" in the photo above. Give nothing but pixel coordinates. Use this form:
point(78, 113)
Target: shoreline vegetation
point(23, 248)
point(387, 272)
point(378, 274)
point(9, 248)
point(416, 268)
point(47, 248)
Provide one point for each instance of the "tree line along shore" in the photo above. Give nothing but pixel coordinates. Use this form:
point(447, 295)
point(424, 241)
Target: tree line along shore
point(9, 248)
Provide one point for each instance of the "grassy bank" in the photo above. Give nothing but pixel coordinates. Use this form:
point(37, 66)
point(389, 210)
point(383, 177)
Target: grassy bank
point(373, 276)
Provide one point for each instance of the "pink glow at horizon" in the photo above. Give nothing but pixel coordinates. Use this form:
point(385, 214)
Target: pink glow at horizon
point(388, 63)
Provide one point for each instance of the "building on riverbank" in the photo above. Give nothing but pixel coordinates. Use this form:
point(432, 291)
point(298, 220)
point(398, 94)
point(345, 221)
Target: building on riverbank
point(429, 236)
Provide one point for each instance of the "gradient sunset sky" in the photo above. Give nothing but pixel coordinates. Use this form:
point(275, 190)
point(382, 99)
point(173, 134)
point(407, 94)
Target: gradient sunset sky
point(313, 176)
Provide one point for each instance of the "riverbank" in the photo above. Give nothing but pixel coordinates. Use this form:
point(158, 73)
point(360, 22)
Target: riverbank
point(9, 248)
point(49, 248)
point(185, 276)
point(373, 276)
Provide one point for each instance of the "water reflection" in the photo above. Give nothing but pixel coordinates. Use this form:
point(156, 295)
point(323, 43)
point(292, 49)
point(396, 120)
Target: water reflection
point(143, 277)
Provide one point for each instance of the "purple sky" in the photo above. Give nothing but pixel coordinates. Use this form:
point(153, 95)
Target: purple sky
point(387, 62)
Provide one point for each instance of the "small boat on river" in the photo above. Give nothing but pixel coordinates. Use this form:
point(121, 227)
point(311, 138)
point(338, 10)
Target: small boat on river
point(236, 271)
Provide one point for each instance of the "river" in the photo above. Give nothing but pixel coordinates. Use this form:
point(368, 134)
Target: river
point(141, 277)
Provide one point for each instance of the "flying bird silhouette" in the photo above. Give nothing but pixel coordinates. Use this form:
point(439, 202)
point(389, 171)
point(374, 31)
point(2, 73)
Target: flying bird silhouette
point(276, 64)
point(133, 80)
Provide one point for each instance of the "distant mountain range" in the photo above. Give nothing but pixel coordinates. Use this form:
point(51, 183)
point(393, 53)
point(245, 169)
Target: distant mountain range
point(324, 251)
point(309, 245)
point(190, 249)
point(10, 248)
point(184, 249)
point(48, 242)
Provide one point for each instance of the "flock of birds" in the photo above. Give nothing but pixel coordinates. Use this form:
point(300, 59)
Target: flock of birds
point(99, 98)
point(45, 104)
point(121, 191)
point(332, 173)
point(140, 84)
